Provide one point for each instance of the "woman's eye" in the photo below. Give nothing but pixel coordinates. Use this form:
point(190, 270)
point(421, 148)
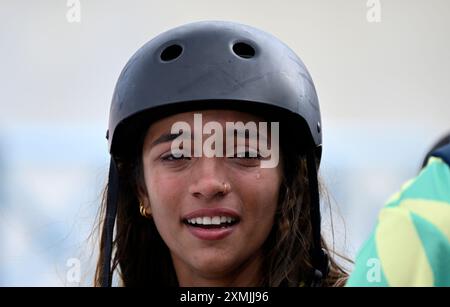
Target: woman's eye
point(247, 155)
point(171, 157)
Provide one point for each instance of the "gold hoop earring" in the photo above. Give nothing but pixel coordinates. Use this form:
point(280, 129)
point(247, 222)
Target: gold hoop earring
point(143, 211)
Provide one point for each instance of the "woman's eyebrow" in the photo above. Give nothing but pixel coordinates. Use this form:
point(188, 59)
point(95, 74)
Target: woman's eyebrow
point(167, 137)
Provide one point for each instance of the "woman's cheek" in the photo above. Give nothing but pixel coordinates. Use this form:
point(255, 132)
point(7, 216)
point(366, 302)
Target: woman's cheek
point(165, 200)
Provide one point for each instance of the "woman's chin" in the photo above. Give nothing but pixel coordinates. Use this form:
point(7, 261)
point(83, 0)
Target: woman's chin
point(213, 265)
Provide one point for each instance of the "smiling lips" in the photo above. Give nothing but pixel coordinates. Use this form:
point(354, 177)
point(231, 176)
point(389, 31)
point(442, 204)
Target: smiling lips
point(211, 223)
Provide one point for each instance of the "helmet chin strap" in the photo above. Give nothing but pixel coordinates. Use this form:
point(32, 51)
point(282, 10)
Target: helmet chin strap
point(318, 255)
point(108, 225)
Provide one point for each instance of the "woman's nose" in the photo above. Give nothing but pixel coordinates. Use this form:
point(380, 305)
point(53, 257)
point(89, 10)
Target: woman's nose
point(208, 179)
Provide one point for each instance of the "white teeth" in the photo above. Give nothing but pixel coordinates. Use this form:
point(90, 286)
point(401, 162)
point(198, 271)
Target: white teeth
point(206, 220)
point(211, 220)
point(215, 220)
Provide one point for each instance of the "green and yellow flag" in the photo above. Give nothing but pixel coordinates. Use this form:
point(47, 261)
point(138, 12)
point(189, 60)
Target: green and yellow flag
point(410, 245)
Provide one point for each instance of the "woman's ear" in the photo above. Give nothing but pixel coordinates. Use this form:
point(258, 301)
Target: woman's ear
point(144, 205)
point(143, 197)
point(145, 210)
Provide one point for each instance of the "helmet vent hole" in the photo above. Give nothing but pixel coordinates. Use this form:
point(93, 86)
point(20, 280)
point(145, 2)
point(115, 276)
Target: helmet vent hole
point(244, 50)
point(171, 52)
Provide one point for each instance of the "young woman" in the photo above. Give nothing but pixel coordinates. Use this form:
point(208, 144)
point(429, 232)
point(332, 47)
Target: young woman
point(237, 207)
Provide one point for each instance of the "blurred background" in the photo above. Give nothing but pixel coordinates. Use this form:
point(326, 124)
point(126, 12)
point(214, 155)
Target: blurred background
point(381, 69)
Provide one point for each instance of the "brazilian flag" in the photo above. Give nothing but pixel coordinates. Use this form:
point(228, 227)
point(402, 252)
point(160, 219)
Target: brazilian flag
point(410, 245)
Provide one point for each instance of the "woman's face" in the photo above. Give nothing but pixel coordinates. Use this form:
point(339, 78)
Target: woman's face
point(189, 197)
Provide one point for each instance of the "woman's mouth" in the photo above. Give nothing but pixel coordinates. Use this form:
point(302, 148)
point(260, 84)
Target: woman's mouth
point(211, 227)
